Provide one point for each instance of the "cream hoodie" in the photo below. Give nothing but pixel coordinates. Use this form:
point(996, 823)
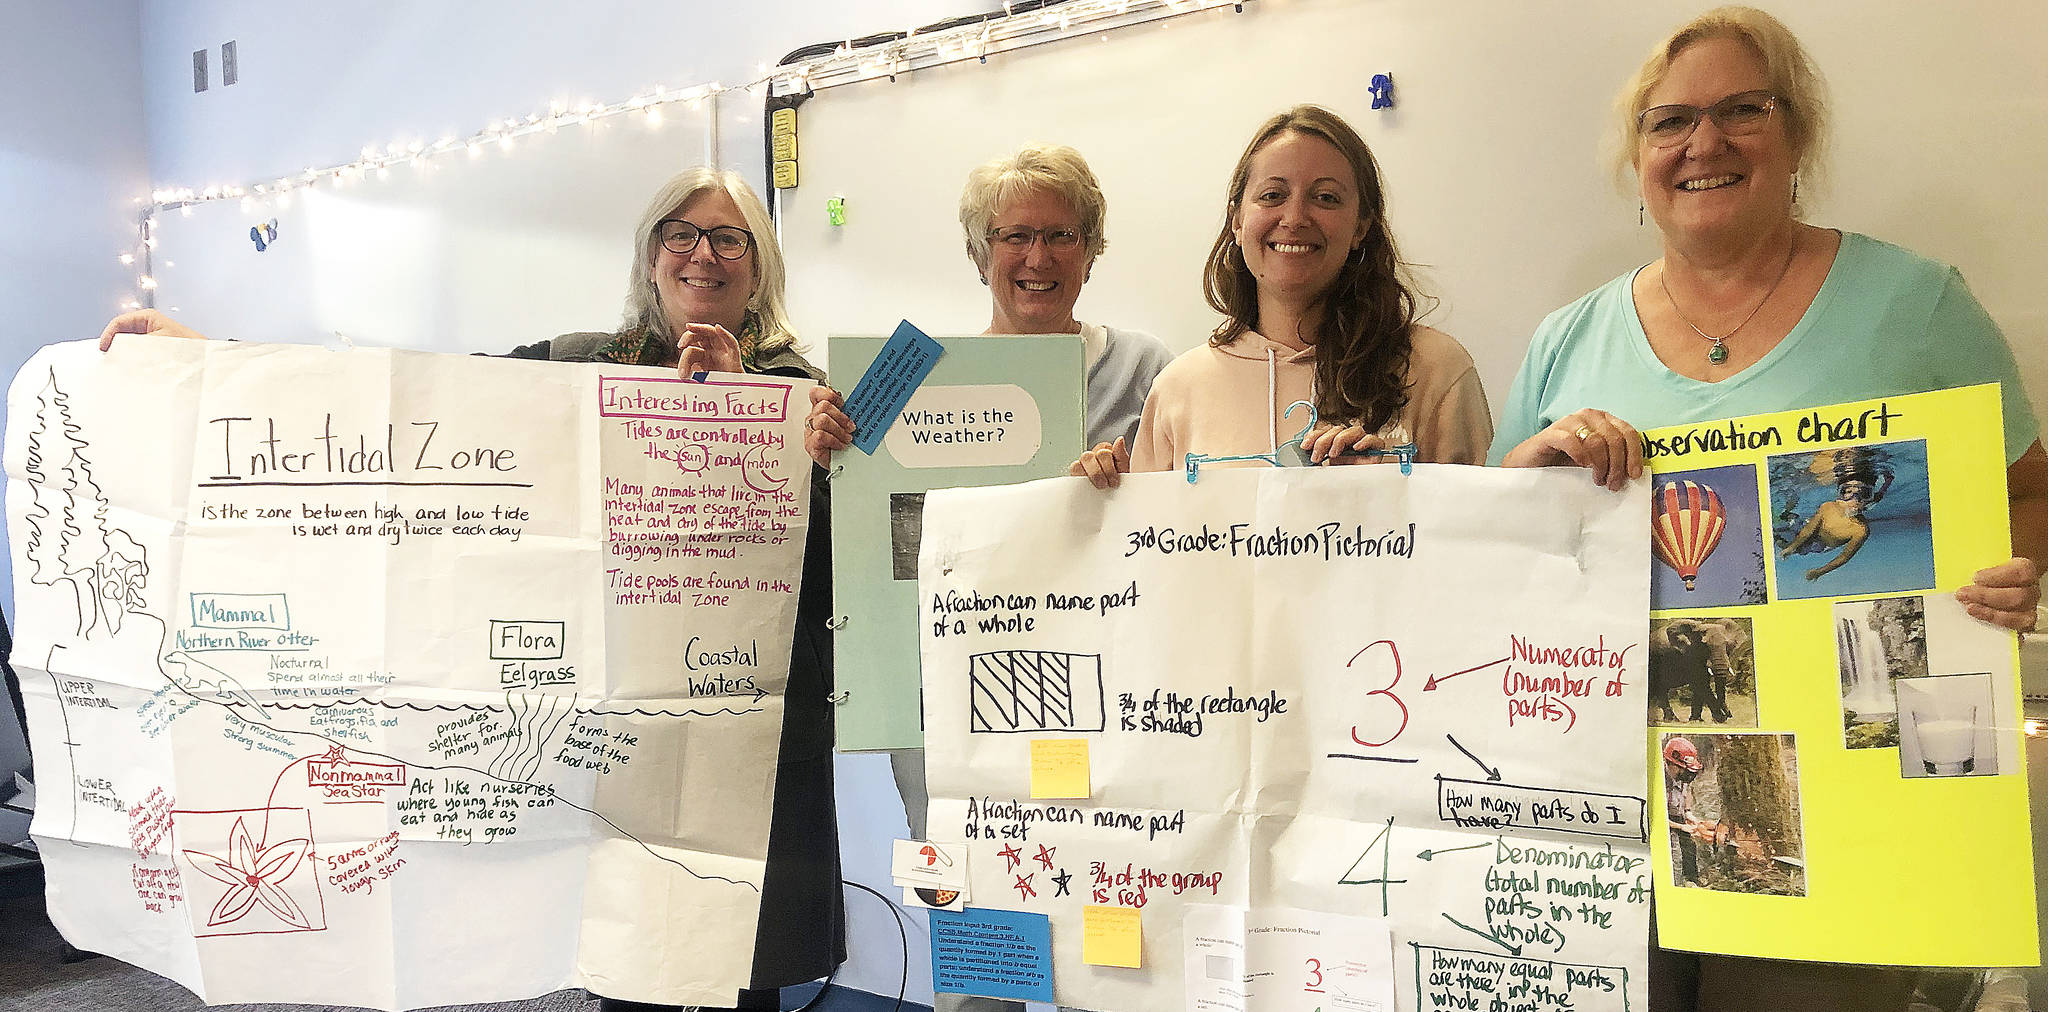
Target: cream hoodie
point(1228, 400)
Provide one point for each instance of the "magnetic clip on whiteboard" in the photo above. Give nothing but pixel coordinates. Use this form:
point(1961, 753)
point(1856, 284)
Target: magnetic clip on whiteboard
point(1290, 453)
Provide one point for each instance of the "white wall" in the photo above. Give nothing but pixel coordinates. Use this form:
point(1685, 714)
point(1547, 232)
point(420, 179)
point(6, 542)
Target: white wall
point(1490, 157)
point(71, 161)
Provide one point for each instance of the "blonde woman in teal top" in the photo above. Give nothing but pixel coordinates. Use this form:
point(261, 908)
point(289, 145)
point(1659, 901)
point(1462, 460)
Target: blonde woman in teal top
point(1750, 309)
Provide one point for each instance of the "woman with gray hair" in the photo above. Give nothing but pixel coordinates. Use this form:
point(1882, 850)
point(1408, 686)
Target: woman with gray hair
point(705, 293)
point(1033, 226)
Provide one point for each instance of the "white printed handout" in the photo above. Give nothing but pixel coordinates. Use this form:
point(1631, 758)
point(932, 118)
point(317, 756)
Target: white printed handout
point(1279, 960)
point(1389, 724)
point(393, 679)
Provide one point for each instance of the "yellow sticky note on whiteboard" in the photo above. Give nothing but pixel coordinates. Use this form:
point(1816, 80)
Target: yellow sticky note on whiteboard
point(1110, 936)
point(1059, 768)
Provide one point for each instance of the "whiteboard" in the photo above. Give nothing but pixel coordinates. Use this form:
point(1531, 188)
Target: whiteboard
point(463, 254)
point(1491, 156)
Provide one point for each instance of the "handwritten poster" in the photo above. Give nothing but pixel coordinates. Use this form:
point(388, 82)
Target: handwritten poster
point(1407, 700)
point(392, 679)
point(994, 410)
point(1836, 735)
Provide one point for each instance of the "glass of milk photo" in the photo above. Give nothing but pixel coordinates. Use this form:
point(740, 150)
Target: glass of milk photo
point(1943, 715)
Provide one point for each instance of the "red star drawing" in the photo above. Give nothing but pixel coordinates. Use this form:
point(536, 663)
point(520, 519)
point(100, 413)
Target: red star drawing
point(1024, 890)
point(254, 875)
point(1011, 854)
point(1044, 856)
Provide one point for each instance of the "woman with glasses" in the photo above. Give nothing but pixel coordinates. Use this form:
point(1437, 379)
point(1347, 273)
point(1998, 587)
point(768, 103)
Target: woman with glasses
point(1750, 310)
point(1033, 225)
point(1315, 308)
point(705, 292)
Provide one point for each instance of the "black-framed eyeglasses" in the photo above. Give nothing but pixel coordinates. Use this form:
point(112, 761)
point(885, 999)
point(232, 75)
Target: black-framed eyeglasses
point(728, 242)
point(1018, 238)
point(1667, 126)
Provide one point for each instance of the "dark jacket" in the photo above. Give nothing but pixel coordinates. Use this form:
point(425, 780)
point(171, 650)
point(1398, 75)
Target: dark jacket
point(802, 930)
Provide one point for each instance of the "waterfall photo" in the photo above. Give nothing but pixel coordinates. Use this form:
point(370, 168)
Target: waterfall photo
point(1877, 642)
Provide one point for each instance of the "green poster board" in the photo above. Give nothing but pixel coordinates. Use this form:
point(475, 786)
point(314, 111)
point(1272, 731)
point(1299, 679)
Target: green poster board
point(994, 411)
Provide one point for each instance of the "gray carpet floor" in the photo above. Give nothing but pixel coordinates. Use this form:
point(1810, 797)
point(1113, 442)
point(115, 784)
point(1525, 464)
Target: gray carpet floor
point(35, 978)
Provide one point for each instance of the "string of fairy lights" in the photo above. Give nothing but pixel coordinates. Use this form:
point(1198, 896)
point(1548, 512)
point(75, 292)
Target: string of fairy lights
point(849, 63)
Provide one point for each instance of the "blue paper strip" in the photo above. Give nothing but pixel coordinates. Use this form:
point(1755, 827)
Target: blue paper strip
point(887, 385)
point(992, 953)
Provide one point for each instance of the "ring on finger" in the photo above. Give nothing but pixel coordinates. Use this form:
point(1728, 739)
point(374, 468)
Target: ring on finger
point(1583, 432)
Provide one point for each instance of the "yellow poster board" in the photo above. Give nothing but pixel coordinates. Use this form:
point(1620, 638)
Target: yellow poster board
point(1835, 745)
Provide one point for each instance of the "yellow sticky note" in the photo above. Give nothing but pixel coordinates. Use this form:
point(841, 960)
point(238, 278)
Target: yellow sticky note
point(1059, 768)
point(1110, 936)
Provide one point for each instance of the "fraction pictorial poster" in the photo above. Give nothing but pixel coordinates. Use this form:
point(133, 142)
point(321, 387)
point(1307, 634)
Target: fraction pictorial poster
point(1299, 739)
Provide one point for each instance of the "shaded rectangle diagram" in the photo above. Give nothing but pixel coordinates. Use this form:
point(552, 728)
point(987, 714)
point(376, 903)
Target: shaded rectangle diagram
point(527, 639)
point(1488, 804)
point(1034, 690)
point(1463, 978)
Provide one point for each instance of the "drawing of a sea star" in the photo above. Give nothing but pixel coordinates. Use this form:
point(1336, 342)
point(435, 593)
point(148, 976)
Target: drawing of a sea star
point(253, 876)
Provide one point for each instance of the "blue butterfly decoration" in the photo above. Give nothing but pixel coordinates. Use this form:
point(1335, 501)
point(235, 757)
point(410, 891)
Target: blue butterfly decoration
point(263, 234)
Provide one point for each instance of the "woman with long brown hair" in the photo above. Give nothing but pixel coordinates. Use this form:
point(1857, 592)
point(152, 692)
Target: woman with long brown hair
point(1316, 307)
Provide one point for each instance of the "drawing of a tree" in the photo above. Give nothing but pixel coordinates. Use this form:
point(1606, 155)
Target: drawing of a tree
point(67, 503)
point(42, 547)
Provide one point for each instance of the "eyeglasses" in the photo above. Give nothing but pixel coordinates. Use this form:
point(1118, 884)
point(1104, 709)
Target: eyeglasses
point(1667, 126)
point(1018, 238)
point(728, 242)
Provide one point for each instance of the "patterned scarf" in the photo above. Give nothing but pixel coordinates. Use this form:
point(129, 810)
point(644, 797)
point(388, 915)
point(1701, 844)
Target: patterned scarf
point(644, 347)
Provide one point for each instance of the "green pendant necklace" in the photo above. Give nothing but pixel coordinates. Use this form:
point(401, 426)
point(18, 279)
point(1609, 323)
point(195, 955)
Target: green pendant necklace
point(1719, 352)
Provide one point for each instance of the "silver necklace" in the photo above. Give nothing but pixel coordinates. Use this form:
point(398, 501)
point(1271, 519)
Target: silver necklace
point(1719, 352)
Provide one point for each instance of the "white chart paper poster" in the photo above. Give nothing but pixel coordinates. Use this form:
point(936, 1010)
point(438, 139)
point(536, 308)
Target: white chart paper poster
point(394, 679)
point(1414, 698)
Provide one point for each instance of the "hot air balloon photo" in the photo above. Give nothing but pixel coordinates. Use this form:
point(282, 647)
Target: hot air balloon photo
point(1706, 530)
point(1687, 527)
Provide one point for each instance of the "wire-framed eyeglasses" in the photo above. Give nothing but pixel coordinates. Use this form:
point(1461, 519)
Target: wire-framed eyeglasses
point(1667, 126)
point(728, 242)
point(1018, 238)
